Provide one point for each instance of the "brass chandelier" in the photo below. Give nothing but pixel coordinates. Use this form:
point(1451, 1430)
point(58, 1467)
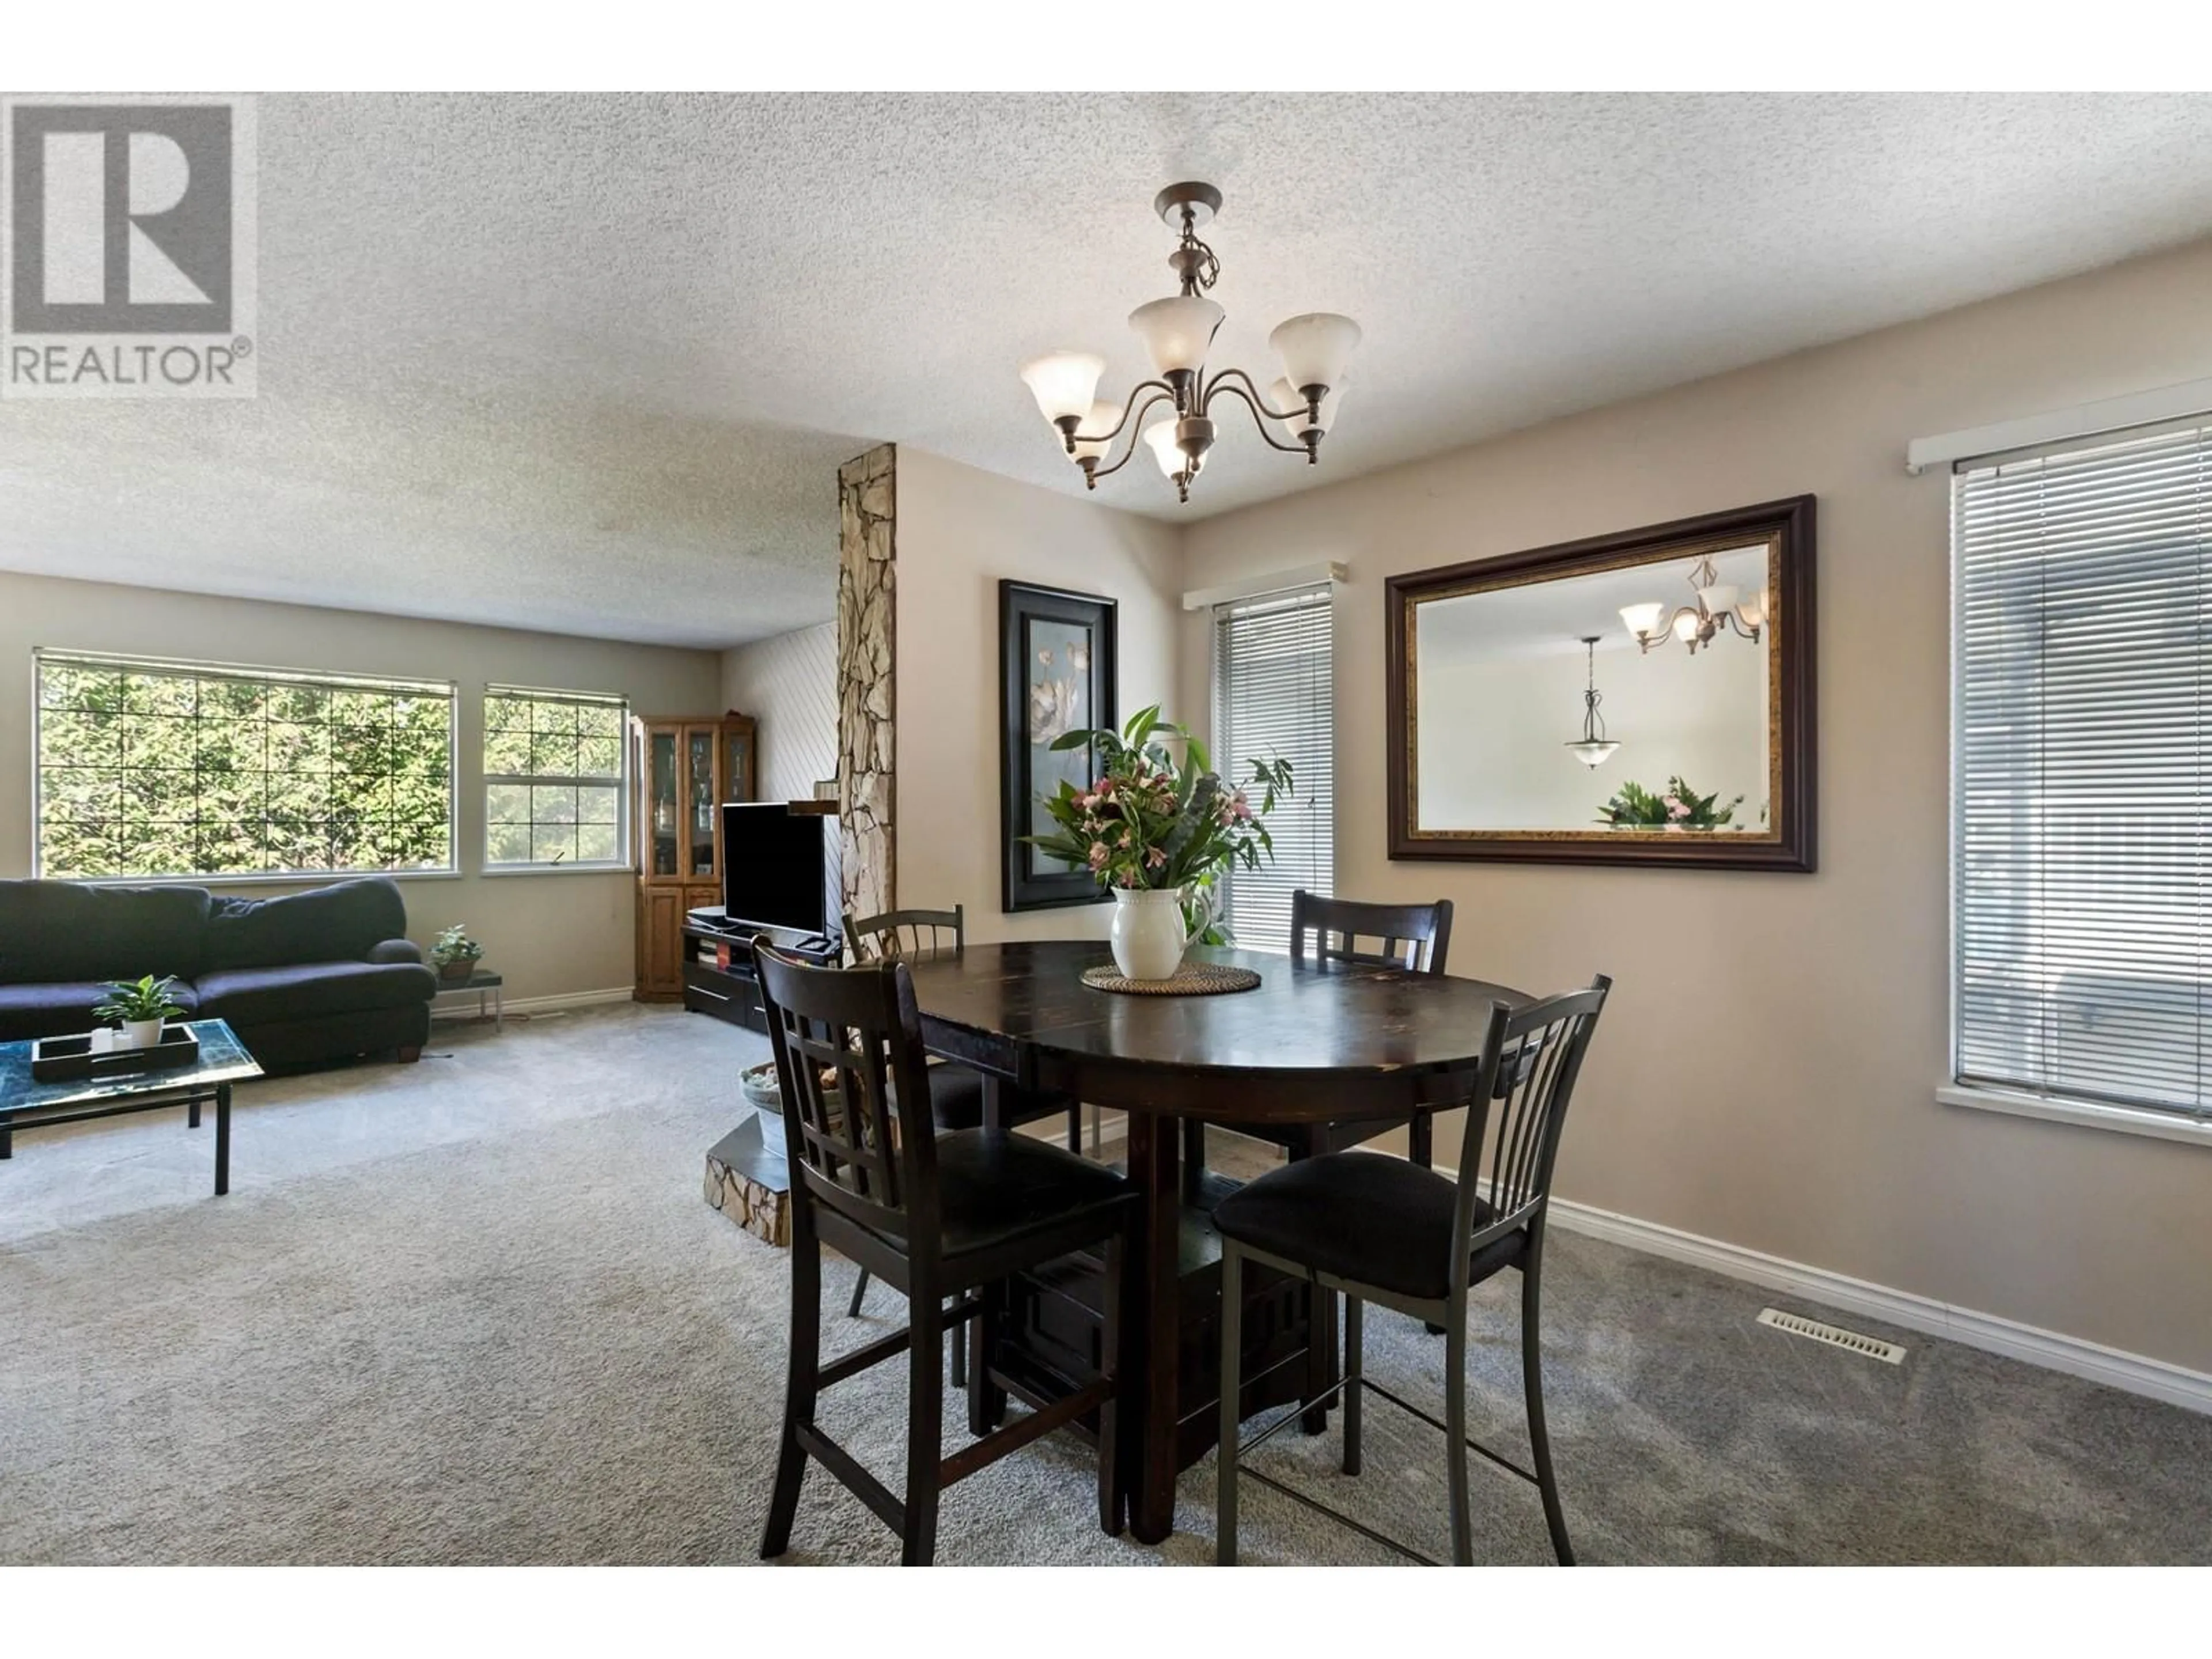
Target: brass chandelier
point(1178, 332)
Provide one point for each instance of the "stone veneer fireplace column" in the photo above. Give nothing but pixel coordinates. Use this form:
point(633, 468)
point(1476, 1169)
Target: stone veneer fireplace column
point(867, 642)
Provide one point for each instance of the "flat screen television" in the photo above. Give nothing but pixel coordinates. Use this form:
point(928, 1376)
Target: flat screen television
point(776, 865)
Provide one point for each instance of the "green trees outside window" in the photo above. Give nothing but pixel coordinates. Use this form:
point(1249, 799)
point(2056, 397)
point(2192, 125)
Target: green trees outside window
point(554, 778)
point(164, 769)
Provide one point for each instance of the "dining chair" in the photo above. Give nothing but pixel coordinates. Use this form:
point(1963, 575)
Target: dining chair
point(1381, 1230)
point(937, 1216)
point(956, 1092)
point(1416, 938)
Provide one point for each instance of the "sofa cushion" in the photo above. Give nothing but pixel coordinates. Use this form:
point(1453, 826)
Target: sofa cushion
point(64, 1007)
point(323, 924)
point(62, 930)
point(254, 996)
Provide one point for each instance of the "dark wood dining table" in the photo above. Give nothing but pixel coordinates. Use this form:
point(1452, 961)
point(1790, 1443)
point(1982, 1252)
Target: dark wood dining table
point(1315, 1041)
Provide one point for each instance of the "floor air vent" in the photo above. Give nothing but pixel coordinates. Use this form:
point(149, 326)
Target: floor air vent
point(1833, 1335)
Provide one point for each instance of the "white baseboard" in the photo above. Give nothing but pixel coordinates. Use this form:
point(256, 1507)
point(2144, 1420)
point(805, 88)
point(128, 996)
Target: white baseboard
point(2158, 1379)
point(2136, 1373)
point(540, 1004)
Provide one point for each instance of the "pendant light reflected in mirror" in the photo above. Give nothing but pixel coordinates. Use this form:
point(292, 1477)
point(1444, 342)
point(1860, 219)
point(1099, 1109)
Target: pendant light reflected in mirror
point(1593, 748)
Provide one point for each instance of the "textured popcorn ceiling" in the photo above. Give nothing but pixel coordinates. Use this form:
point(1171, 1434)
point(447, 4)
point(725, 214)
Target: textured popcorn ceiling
point(589, 363)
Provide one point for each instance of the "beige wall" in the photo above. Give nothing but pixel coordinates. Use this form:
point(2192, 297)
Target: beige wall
point(549, 934)
point(788, 683)
point(959, 532)
point(1767, 1071)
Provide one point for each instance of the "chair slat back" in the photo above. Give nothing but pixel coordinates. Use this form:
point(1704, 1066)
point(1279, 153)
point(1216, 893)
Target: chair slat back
point(1414, 937)
point(850, 1063)
point(1531, 1060)
point(912, 935)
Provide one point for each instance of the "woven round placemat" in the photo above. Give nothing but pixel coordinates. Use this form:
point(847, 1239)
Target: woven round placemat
point(1192, 979)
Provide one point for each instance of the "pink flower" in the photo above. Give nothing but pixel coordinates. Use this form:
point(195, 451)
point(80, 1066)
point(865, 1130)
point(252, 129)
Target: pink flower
point(1156, 858)
point(1240, 806)
point(1098, 856)
point(1675, 809)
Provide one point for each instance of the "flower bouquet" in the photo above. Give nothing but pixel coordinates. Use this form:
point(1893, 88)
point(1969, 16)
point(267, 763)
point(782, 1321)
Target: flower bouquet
point(1680, 808)
point(1159, 834)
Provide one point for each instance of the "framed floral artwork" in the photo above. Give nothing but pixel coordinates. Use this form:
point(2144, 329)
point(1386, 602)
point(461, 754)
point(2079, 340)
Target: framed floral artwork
point(1056, 662)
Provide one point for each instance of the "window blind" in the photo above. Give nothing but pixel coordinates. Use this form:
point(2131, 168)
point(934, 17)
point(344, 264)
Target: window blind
point(2082, 787)
point(1273, 694)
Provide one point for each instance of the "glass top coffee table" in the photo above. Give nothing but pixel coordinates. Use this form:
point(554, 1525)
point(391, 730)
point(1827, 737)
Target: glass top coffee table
point(28, 1104)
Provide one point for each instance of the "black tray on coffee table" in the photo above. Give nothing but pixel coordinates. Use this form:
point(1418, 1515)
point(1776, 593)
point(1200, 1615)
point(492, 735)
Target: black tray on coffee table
point(56, 1060)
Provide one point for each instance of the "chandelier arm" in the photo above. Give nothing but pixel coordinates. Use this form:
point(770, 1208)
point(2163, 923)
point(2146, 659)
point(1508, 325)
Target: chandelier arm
point(1252, 395)
point(1160, 394)
point(1129, 405)
point(1253, 404)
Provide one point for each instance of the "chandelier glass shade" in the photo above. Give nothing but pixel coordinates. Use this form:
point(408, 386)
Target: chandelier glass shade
point(1178, 332)
point(1064, 383)
point(1593, 749)
point(1718, 606)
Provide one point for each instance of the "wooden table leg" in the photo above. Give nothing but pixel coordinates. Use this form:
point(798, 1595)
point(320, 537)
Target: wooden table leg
point(1154, 1311)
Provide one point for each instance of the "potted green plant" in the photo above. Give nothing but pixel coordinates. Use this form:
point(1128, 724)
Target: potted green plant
point(456, 954)
point(1680, 808)
point(139, 1006)
point(1158, 834)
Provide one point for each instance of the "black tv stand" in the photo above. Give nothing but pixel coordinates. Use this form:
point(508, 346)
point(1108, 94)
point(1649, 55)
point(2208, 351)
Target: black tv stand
point(718, 974)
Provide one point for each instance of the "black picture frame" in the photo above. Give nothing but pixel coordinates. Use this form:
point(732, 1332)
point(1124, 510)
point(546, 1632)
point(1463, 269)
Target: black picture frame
point(1029, 880)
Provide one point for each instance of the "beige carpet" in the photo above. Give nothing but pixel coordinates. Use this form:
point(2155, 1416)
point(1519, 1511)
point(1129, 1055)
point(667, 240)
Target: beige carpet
point(476, 1310)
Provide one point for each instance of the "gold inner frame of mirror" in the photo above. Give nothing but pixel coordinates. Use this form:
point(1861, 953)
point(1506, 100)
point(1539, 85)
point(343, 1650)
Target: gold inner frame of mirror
point(1774, 642)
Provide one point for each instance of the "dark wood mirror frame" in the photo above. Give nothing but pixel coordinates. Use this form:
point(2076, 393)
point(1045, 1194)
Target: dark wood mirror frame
point(1788, 526)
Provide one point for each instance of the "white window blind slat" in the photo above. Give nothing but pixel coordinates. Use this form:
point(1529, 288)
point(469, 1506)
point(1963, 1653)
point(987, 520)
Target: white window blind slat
point(2082, 789)
point(1275, 694)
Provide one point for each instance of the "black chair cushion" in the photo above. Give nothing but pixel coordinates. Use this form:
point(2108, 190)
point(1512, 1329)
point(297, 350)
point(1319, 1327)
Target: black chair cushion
point(993, 1188)
point(64, 1007)
point(956, 1100)
point(1362, 1216)
point(956, 1097)
point(257, 996)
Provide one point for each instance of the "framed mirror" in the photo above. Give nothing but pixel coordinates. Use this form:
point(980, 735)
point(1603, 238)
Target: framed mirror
point(1639, 698)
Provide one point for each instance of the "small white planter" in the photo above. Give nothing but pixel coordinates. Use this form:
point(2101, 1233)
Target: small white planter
point(1148, 932)
point(139, 1034)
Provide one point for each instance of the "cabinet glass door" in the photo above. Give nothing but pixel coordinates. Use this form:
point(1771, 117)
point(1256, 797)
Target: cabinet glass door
point(699, 766)
point(660, 785)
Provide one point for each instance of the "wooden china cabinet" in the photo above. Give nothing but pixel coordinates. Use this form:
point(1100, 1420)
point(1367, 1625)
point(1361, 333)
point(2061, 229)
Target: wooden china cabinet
point(685, 769)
